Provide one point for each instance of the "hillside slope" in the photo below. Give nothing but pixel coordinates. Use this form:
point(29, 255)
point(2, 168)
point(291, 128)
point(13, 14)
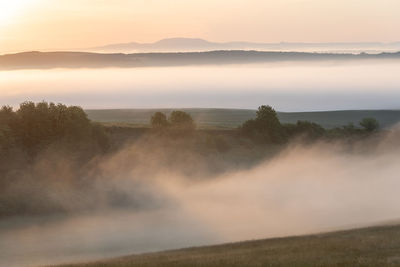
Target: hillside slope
point(375, 246)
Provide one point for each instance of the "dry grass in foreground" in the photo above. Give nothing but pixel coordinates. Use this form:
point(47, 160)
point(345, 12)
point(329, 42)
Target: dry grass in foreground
point(374, 246)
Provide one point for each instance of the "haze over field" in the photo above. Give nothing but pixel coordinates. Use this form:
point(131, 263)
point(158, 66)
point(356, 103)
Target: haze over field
point(304, 189)
point(214, 154)
point(286, 86)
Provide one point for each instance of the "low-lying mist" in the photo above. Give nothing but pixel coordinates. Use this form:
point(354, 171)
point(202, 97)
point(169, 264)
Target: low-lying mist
point(145, 199)
point(290, 86)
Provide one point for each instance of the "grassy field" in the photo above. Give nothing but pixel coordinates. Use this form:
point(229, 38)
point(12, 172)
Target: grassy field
point(375, 246)
point(231, 118)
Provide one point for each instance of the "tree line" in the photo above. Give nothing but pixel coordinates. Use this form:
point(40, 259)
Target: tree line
point(267, 128)
point(178, 120)
point(34, 126)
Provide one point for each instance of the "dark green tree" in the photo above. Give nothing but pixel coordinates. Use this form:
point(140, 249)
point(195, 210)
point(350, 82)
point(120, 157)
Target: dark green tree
point(35, 126)
point(181, 120)
point(249, 128)
point(369, 124)
point(7, 116)
point(308, 129)
point(265, 127)
point(269, 124)
point(159, 120)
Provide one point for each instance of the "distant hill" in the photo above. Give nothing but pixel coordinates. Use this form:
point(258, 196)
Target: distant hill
point(231, 118)
point(196, 44)
point(48, 60)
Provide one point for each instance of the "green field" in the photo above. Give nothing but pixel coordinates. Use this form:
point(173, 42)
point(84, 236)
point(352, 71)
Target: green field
point(231, 118)
point(375, 246)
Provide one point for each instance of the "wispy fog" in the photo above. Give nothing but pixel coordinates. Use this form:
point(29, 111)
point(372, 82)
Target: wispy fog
point(303, 189)
point(287, 87)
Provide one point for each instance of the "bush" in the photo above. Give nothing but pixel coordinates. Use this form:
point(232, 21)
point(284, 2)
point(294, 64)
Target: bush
point(181, 120)
point(308, 129)
point(159, 120)
point(369, 124)
point(265, 127)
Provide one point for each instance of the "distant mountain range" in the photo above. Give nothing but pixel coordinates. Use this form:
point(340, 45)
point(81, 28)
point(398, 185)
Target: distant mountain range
point(201, 45)
point(48, 60)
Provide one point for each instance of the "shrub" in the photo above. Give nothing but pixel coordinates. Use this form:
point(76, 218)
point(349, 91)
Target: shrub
point(265, 127)
point(159, 120)
point(369, 124)
point(308, 129)
point(181, 120)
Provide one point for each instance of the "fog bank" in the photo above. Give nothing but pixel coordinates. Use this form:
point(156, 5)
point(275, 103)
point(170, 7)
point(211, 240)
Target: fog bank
point(285, 86)
point(304, 189)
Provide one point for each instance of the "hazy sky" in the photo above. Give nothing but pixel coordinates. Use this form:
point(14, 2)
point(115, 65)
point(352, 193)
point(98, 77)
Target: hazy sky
point(46, 24)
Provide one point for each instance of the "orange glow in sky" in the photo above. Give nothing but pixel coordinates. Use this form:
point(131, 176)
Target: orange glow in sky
point(74, 24)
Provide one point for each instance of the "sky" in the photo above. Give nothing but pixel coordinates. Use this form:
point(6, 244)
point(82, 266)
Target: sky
point(74, 24)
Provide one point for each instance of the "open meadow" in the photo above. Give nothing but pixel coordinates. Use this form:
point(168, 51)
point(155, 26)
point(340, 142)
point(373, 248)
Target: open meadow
point(374, 246)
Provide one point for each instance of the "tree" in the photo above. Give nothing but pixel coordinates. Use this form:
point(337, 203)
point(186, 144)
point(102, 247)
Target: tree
point(159, 120)
point(311, 129)
point(249, 128)
point(307, 129)
point(35, 126)
point(267, 113)
point(269, 124)
point(7, 116)
point(265, 127)
point(369, 124)
point(181, 120)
